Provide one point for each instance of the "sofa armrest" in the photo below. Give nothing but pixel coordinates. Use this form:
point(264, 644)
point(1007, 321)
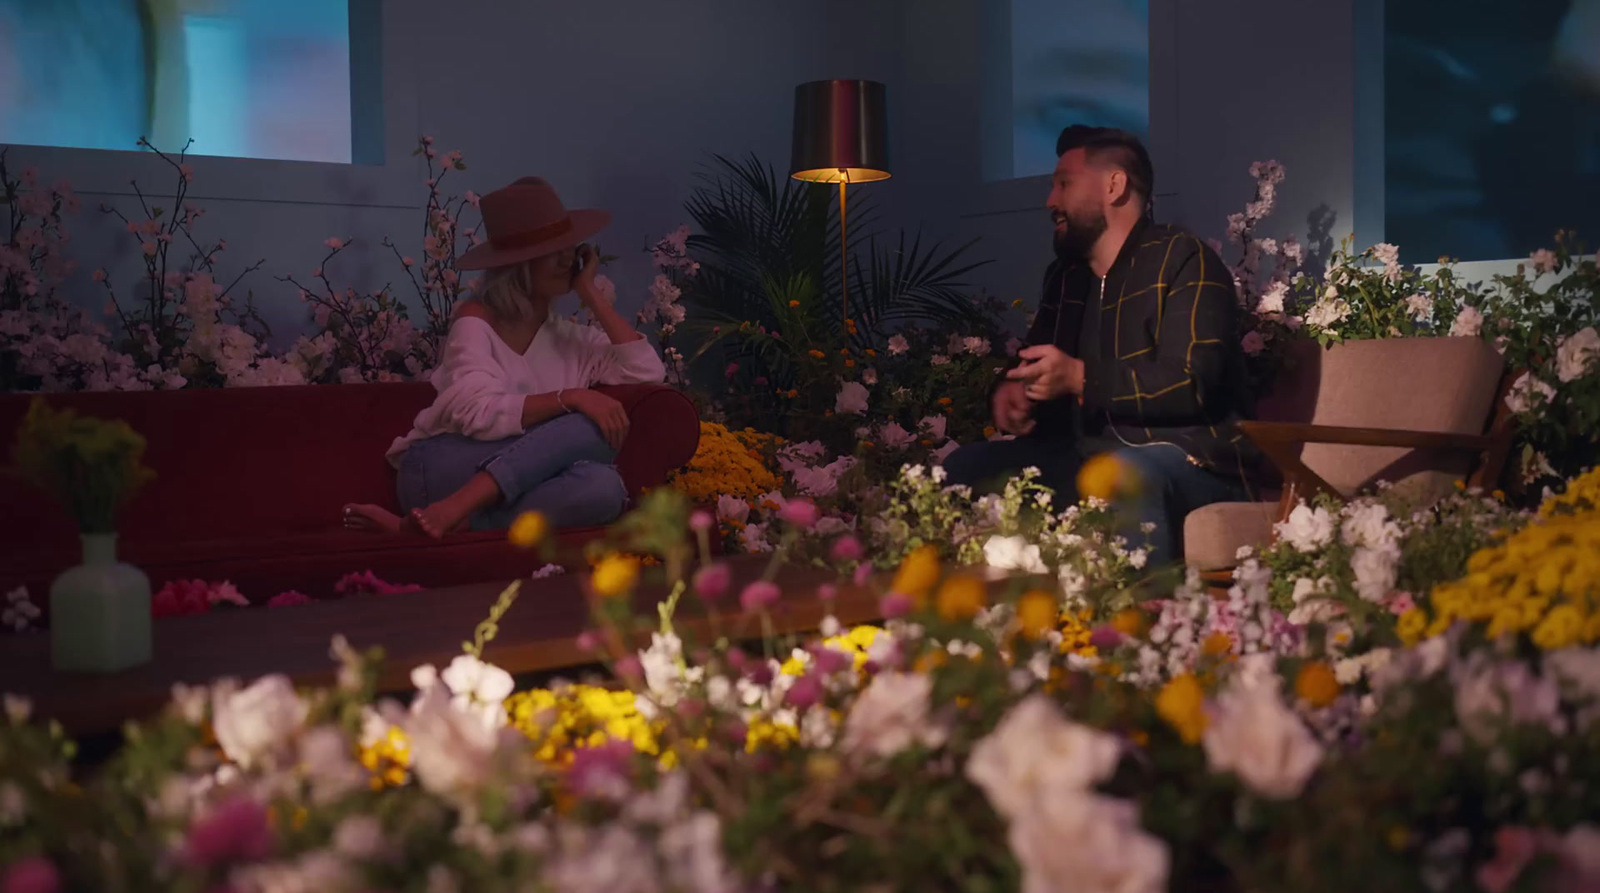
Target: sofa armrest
point(663, 433)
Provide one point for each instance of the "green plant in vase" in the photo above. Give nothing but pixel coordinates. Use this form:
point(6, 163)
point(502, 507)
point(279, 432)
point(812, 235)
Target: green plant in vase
point(100, 610)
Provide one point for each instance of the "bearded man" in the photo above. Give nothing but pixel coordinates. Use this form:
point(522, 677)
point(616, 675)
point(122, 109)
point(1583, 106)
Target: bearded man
point(1134, 351)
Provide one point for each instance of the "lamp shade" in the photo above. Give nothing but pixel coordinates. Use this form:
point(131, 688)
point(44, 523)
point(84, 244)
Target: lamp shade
point(841, 132)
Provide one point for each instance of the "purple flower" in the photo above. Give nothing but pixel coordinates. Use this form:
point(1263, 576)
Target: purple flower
point(629, 669)
point(829, 660)
point(862, 574)
point(806, 691)
point(712, 582)
point(601, 770)
point(827, 592)
point(236, 831)
point(759, 596)
point(1105, 638)
point(700, 520)
point(588, 641)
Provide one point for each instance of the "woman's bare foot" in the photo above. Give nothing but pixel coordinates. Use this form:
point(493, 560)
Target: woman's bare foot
point(436, 520)
point(358, 516)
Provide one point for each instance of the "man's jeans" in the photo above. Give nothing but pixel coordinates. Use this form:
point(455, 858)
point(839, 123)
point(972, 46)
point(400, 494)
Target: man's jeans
point(1170, 486)
point(560, 468)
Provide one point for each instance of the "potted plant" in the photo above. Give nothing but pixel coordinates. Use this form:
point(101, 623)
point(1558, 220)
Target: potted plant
point(100, 609)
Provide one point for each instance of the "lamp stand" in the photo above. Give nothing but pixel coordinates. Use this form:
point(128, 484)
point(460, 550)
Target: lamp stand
point(844, 256)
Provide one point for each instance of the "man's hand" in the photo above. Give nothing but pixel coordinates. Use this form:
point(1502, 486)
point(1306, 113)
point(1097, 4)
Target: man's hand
point(1012, 409)
point(1048, 373)
point(607, 414)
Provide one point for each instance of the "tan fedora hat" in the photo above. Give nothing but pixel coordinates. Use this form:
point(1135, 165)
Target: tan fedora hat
point(527, 220)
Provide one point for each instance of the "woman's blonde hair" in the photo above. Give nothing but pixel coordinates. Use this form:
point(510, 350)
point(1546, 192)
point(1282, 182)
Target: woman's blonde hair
point(504, 291)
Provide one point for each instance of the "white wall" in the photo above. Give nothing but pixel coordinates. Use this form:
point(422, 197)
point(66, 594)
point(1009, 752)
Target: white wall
point(616, 102)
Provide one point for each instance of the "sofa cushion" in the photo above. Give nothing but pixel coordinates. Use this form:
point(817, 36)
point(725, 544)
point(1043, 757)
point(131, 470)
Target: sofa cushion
point(1214, 534)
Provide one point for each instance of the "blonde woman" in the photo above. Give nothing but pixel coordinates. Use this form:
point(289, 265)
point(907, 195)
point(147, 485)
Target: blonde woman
point(515, 426)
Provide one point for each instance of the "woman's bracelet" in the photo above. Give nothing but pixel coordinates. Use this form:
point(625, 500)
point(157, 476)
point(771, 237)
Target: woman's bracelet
point(561, 403)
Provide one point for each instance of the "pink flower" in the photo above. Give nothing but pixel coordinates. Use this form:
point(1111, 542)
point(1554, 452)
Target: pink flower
point(471, 198)
point(862, 575)
point(1543, 260)
point(317, 272)
point(99, 276)
point(180, 597)
point(701, 520)
point(35, 874)
point(1253, 343)
point(288, 599)
point(407, 262)
point(334, 243)
point(713, 581)
point(630, 670)
point(236, 831)
point(368, 583)
point(1399, 603)
point(827, 592)
point(1105, 638)
point(186, 171)
point(895, 605)
point(1514, 848)
point(732, 370)
point(149, 248)
point(846, 548)
point(427, 140)
point(227, 593)
point(759, 596)
point(829, 660)
point(802, 513)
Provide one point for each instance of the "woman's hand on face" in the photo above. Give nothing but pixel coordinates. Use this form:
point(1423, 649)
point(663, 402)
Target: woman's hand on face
point(607, 414)
point(588, 267)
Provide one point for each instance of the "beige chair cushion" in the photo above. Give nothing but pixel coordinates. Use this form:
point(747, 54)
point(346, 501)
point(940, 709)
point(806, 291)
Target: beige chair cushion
point(1213, 534)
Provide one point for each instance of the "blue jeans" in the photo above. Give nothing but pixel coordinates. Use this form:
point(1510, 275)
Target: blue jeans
point(1172, 486)
point(560, 468)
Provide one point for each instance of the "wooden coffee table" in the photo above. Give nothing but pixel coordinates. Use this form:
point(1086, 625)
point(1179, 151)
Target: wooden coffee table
point(538, 635)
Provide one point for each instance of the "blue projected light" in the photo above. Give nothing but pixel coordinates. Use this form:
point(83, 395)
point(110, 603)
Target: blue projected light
point(245, 78)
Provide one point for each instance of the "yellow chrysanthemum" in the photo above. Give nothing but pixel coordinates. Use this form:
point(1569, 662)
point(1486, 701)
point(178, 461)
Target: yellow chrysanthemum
point(728, 463)
point(615, 575)
point(1182, 703)
point(1036, 613)
point(918, 573)
point(1316, 685)
point(961, 598)
point(387, 759)
point(528, 530)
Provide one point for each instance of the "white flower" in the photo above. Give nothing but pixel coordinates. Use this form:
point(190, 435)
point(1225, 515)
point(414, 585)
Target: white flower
point(852, 399)
point(934, 426)
point(895, 437)
point(1034, 753)
point(450, 749)
point(1528, 393)
point(1307, 529)
point(20, 612)
point(869, 376)
point(1368, 524)
point(1543, 260)
point(327, 762)
point(898, 344)
point(753, 538)
point(1490, 694)
point(319, 871)
point(1013, 553)
point(1576, 352)
point(890, 715)
point(665, 674)
point(1468, 323)
point(975, 345)
point(1328, 310)
point(1376, 571)
point(732, 508)
point(1309, 606)
point(1255, 736)
point(254, 722)
point(1087, 842)
point(939, 359)
point(1420, 307)
point(691, 850)
point(480, 687)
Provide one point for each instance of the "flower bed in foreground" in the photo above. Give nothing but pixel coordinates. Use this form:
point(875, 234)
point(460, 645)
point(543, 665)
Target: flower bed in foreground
point(988, 736)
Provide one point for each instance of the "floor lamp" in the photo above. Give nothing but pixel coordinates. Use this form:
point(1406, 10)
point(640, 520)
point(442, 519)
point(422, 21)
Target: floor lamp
point(841, 135)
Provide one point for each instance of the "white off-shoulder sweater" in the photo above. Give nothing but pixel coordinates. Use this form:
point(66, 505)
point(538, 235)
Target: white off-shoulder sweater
point(482, 381)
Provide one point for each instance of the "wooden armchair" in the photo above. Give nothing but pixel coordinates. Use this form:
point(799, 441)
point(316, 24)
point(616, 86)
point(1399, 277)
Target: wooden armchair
point(1420, 413)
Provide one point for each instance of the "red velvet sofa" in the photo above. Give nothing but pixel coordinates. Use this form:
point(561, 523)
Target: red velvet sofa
point(250, 483)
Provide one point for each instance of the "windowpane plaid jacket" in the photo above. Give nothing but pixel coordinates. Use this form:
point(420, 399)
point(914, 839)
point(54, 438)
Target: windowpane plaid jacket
point(1160, 345)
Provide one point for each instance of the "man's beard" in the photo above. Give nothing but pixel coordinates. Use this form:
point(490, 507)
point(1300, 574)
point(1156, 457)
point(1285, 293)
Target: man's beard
point(1083, 230)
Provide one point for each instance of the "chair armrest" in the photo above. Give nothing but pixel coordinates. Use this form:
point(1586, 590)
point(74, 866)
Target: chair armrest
point(1297, 434)
point(1281, 443)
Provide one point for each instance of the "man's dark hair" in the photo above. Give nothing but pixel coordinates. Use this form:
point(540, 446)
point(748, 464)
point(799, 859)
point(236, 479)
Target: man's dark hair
point(1117, 147)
